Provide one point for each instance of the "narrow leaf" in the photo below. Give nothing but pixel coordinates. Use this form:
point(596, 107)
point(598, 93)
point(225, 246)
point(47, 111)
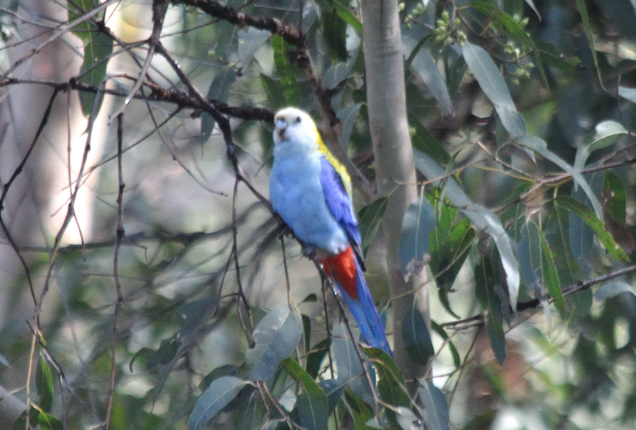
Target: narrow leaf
point(44, 384)
point(417, 225)
point(276, 337)
point(287, 71)
point(494, 86)
point(415, 336)
point(436, 415)
point(613, 289)
point(440, 330)
point(426, 68)
point(482, 218)
point(219, 91)
point(587, 27)
point(370, 219)
point(274, 92)
point(605, 134)
point(511, 28)
point(550, 273)
point(627, 93)
point(221, 392)
point(249, 41)
point(539, 146)
point(585, 214)
point(312, 402)
point(347, 117)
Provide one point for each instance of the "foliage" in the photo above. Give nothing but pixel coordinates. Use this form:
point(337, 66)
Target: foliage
point(184, 306)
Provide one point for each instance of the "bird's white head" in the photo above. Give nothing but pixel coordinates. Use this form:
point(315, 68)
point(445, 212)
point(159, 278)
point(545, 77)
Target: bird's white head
point(295, 125)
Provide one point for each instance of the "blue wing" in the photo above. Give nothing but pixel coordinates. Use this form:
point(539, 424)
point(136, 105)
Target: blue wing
point(339, 204)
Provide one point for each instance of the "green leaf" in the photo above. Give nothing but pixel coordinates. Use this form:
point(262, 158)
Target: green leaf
point(347, 117)
point(417, 225)
point(415, 336)
point(440, 330)
point(605, 134)
point(587, 27)
point(511, 28)
point(530, 258)
point(315, 358)
point(427, 69)
point(276, 337)
point(221, 392)
point(494, 87)
point(390, 383)
point(335, 32)
point(219, 91)
point(360, 411)
point(312, 403)
point(425, 142)
point(436, 415)
point(345, 14)
point(613, 289)
point(249, 41)
point(333, 390)
point(287, 71)
point(539, 146)
point(274, 92)
point(97, 50)
point(550, 273)
point(370, 219)
point(585, 214)
point(252, 413)
point(627, 93)
point(348, 364)
point(44, 384)
point(482, 218)
point(485, 290)
point(615, 202)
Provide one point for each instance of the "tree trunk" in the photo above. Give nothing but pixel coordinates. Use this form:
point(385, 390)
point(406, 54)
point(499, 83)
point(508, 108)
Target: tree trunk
point(395, 170)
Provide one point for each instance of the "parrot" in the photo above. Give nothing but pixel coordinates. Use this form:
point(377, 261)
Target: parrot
point(311, 191)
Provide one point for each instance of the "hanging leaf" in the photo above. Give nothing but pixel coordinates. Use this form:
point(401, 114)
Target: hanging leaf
point(494, 86)
point(287, 71)
point(513, 29)
point(587, 216)
point(347, 117)
point(587, 27)
point(218, 92)
point(627, 93)
point(605, 134)
point(424, 65)
point(417, 225)
point(370, 219)
point(416, 338)
point(482, 218)
point(613, 289)
point(44, 384)
point(276, 337)
point(485, 291)
point(435, 414)
point(249, 41)
point(221, 392)
point(540, 147)
point(312, 404)
point(440, 331)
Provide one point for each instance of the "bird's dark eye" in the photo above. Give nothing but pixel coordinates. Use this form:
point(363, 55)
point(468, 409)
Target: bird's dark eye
point(298, 119)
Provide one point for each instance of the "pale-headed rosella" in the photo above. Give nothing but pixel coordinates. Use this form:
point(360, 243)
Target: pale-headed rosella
point(311, 191)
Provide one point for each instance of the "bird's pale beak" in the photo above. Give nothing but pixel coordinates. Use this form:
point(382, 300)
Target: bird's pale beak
point(281, 126)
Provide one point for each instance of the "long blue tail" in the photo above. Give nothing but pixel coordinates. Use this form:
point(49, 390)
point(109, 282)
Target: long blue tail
point(365, 313)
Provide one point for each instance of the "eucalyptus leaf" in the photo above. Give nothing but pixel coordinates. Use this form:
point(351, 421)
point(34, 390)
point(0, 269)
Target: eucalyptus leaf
point(417, 225)
point(494, 86)
point(627, 93)
point(221, 392)
point(276, 337)
point(605, 134)
point(613, 289)
point(436, 415)
point(539, 146)
point(481, 217)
